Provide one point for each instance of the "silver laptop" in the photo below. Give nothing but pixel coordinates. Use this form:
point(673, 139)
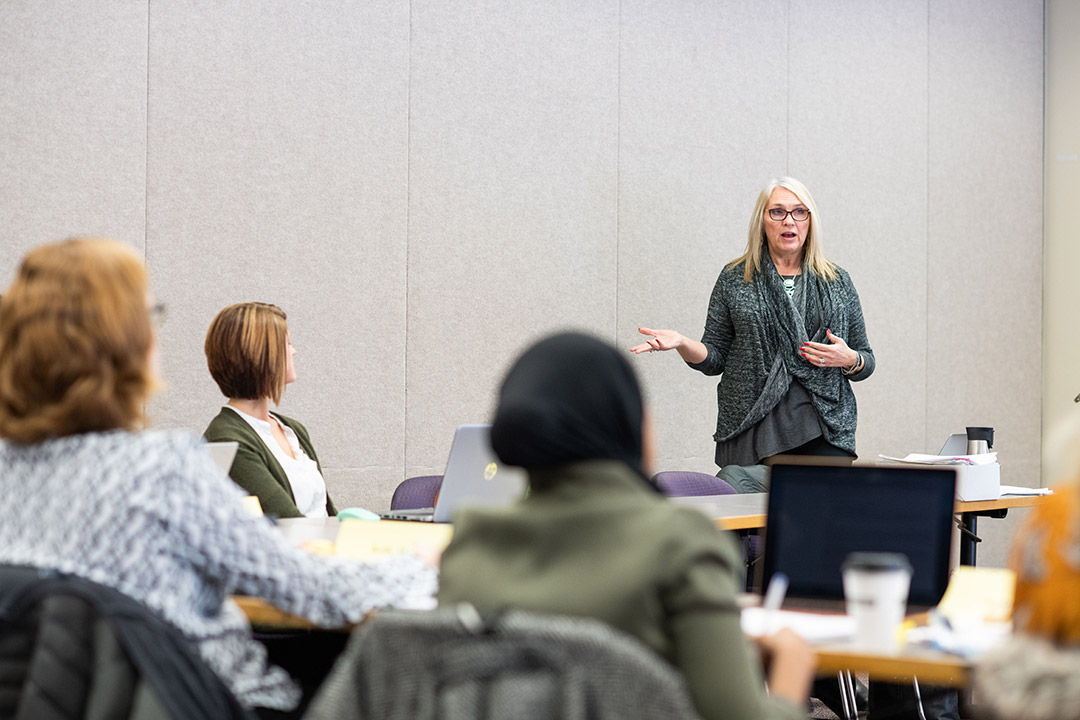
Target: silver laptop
point(955, 445)
point(223, 453)
point(474, 476)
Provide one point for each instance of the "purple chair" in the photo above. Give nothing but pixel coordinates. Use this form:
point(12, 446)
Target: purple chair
point(416, 492)
point(684, 483)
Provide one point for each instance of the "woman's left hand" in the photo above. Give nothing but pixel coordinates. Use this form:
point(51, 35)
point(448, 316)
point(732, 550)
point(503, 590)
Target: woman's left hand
point(838, 354)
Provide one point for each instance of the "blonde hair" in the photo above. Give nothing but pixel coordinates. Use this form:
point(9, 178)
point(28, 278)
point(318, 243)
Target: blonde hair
point(756, 242)
point(75, 341)
point(247, 351)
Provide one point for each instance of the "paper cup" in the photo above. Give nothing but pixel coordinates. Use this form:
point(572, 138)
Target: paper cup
point(875, 592)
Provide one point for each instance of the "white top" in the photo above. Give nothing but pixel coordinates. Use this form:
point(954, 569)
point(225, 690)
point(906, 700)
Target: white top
point(308, 484)
point(149, 515)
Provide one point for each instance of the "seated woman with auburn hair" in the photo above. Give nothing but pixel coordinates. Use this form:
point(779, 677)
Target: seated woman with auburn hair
point(250, 357)
point(88, 494)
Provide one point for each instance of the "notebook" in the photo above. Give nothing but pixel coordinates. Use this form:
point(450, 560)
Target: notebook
point(818, 513)
point(473, 476)
point(222, 453)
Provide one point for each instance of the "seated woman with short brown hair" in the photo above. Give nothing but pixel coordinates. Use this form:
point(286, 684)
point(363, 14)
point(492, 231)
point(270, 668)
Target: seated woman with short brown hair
point(250, 356)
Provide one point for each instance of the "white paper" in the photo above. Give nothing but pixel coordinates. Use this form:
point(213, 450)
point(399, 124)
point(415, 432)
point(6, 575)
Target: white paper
point(921, 459)
point(812, 627)
point(1017, 490)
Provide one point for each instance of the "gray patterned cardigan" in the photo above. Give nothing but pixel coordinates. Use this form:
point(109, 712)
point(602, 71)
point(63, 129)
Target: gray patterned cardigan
point(147, 514)
point(753, 339)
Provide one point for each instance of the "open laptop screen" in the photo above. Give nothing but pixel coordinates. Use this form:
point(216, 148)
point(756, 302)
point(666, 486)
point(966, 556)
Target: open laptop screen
point(817, 514)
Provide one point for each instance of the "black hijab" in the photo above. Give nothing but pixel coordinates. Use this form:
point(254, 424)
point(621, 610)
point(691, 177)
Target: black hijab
point(569, 397)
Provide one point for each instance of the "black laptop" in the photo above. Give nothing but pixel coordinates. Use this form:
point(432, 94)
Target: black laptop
point(818, 513)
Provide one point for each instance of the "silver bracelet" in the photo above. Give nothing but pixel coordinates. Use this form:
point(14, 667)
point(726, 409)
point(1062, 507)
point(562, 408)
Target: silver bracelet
point(855, 366)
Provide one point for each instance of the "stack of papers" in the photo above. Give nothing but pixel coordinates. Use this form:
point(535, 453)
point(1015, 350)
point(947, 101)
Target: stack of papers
point(920, 459)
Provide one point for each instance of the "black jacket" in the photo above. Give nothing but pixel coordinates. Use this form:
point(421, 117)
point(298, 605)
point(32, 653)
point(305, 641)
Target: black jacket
point(70, 648)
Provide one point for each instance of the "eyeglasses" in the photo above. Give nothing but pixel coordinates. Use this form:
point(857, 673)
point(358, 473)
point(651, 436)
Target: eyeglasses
point(157, 314)
point(799, 214)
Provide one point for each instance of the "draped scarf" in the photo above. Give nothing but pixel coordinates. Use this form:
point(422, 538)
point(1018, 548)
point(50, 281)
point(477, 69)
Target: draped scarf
point(785, 331)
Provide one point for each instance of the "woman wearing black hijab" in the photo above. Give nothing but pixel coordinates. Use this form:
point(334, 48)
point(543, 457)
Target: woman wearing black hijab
point(594, 538)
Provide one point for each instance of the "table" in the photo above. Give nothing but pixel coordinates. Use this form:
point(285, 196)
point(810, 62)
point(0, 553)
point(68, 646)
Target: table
point(747, 512)
point(932, 667)
point(972, 510)
point(262, 615)
point(730, 512)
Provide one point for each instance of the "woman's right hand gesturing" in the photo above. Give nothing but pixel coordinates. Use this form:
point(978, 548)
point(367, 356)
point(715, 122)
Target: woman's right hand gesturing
point(658, 340)
point(691, 351)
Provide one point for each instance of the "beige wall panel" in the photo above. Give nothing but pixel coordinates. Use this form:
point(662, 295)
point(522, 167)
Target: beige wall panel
point(1061, 342)
point(700, 133)
point(278, 172)
point(985, 210)
point(72, 123)
point(512, 197)
point(858, 100)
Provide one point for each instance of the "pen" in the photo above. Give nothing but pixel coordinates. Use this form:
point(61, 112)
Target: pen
point(774, 598)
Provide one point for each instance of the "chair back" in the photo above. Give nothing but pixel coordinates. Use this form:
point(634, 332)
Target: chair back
point(416, 492)
point(452, 663)
point(684, 483)
point(73, 648)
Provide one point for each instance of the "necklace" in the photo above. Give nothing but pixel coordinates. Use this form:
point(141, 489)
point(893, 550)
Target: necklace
point(789, 283)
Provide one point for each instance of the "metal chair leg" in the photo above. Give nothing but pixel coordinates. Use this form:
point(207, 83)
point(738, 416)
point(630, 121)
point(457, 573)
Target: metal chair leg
point(918, 698)
point(852, 695)
point(851, 712)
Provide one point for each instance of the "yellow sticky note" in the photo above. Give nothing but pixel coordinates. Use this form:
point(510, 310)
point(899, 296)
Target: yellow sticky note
point(361, 540)
point(979, 594)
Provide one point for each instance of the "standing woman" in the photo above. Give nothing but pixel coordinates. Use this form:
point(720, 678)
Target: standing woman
point(250, 357)
point(785, 328)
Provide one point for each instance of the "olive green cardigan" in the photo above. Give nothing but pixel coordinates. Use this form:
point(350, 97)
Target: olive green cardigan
point(256, 469)
point(592, 540)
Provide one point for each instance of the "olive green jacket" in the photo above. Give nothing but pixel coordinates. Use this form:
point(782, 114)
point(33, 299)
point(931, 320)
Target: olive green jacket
point(592, 540)
point(256, 469)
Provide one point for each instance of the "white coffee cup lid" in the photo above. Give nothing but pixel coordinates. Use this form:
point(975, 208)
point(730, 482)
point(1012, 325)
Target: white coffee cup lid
point(876, 561)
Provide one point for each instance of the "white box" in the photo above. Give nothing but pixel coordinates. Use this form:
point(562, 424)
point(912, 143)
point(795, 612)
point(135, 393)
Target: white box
point(978, 482)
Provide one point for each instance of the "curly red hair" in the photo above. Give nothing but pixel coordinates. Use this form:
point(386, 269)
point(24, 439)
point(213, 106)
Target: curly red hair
point(75, 342)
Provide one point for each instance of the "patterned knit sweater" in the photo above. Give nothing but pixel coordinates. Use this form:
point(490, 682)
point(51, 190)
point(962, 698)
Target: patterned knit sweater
point(742, 344)
point(149, 515)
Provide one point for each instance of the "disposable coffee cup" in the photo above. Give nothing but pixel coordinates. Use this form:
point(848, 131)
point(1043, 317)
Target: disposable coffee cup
point(875, 592)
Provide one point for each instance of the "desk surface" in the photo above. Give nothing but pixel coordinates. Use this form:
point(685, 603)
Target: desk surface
point(931, 667)
point(747, 511)
point(731, 512)
point(263, 615)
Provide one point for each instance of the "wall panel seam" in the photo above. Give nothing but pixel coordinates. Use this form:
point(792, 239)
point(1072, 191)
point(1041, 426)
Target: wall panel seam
point(408, 239)
point(618, 168)
point(787, 98)
point(146, 148)
point(926, 247)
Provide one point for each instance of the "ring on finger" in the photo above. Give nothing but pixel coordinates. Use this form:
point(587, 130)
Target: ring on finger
point(822, 360)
